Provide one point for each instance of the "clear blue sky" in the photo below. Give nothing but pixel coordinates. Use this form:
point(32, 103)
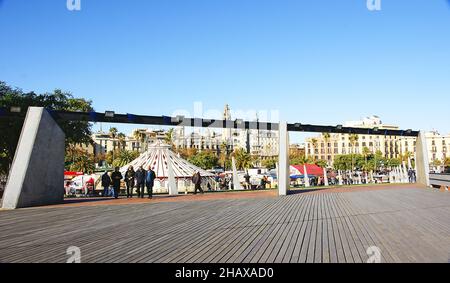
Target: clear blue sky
point(317, 61)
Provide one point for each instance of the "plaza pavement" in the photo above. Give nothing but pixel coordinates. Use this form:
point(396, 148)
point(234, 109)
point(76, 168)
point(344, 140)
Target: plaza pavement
point(406, 223)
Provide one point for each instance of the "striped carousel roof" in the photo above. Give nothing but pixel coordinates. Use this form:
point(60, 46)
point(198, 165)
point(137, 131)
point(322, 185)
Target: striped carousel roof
point(157, 156)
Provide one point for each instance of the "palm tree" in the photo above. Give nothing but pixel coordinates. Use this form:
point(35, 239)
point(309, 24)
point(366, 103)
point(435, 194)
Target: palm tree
point(140, 136)
point(125, 157)
point(243, 159)
point(353, 140)
point(223, 154)
point(447, 165)
point(169, 136)
point(81, 161)
point(113, 134)
point(303, 160)
point(322, 163)
point(122, 142)
point(366, 152)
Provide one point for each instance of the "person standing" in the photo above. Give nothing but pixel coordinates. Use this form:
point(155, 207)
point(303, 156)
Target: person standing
point(197, 180)
point(150, 181)
point(116, 177)
point(106, 182)
point(140, 181)
point(248, 185)
point(129, 180)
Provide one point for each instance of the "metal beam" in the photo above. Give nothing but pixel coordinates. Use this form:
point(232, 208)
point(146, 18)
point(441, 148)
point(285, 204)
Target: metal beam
point(350, 130)
point(207, 123)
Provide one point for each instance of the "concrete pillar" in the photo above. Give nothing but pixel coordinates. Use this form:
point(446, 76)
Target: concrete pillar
point(325, 177)
point(283, 161)
point(172, 183)
point(37, 173)
point(236, 183)
point(306, 177)
point(422, 162)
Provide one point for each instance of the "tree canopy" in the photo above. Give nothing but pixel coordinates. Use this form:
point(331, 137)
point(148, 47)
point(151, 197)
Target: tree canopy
point(205, 160)
point(76, 132)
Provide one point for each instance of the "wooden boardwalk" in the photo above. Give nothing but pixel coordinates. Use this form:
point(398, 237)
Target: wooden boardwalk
point(407, 225)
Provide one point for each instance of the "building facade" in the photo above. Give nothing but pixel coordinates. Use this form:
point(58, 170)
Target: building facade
point(328, 146)
point(261, 143)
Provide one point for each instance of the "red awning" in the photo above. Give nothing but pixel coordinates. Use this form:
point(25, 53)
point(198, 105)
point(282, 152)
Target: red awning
point(311, 169)
point(70, 173)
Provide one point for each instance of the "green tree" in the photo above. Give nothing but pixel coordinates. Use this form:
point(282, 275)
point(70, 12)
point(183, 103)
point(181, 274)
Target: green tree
point(223, 156)
point(301, 160)
point(121, 138)
point(270, 163)
point(366, 153)
point(169, 136)
point(447, 162)
point(125, 157)
point(205, 160)
point(243, 159)
point(77, 132)
point(322, 163)
point(393, 162)
point(343, 162)
point(79, 160)
point(436, 163)
point(113, 134)
point(140, 137)
point(353, 140)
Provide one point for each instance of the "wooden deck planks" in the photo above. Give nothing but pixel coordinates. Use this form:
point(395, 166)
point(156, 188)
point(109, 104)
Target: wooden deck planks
point(408, 225)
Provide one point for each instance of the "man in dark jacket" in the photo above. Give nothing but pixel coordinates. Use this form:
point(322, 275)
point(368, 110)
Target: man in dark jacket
point(129, 180)
point(150, 181)
point(106, 182)
point(116, 177)
point(197, 180)
point(140, 181)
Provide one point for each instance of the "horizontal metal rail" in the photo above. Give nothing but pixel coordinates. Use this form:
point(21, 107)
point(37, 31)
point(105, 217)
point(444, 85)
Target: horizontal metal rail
point(205, 123)
point(440, 179)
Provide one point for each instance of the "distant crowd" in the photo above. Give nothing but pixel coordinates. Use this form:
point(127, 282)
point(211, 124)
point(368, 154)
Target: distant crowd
point(140, 179)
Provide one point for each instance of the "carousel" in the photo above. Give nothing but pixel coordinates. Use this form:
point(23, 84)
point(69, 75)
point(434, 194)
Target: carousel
point(173, 173)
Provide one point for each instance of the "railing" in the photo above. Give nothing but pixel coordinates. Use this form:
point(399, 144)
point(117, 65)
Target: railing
point(440, 180)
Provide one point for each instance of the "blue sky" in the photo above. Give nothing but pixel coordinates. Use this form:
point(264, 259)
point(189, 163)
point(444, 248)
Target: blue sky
point(321, 61)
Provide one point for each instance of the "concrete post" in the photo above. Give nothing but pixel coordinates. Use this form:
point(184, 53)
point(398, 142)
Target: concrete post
point(325, 177)
point(306, 177)
point(422, 162)
point(171, 182)
point(236, 183)
point(37, 173)
point(283, 160)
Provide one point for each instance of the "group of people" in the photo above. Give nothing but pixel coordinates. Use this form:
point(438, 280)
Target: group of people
point(412, 177)
point(263, 182)
point(139, 179)
point(226, 183)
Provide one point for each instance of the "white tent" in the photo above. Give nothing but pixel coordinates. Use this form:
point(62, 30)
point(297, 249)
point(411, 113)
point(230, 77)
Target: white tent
point(157, 157)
